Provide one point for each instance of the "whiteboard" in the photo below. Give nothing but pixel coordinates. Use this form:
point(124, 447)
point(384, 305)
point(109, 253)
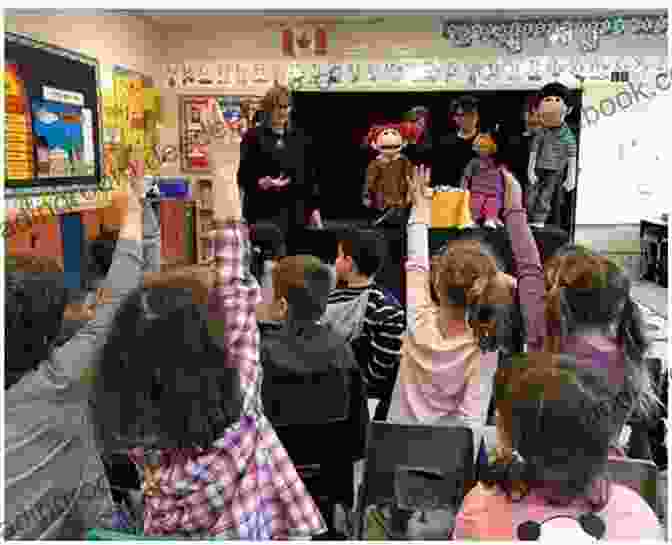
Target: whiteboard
point(624, 163)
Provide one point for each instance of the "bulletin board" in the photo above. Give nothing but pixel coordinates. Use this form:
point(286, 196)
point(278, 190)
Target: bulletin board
point(131, 112)
point(51, 117)
point(205, 118)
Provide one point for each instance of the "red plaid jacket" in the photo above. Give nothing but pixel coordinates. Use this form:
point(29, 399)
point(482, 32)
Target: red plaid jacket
point(245, 486)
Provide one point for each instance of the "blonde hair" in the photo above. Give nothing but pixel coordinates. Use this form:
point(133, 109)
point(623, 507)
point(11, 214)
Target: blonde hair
point(274, 97)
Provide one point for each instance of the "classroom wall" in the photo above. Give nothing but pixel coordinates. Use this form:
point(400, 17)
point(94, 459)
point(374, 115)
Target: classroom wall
point(148, 46)
point(245, 37)
point(125, 40)
point(611, 172)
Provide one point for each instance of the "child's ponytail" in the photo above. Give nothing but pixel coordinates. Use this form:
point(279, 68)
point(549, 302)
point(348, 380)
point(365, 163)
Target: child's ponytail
point(587, 291)
point(631, 331)
point(634, 343)
point(490, 305)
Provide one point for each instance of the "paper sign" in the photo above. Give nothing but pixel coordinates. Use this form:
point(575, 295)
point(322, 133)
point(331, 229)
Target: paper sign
point(65, 97)
point(106, 78)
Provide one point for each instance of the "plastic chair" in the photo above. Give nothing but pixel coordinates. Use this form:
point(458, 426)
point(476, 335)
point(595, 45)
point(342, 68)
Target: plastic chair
point(435, 466)
point(639, 475)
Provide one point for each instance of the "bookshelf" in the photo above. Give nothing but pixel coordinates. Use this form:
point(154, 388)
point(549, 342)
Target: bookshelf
point(204, 213)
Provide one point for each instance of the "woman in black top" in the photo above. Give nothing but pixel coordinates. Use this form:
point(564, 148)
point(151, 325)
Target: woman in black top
point(275, 173)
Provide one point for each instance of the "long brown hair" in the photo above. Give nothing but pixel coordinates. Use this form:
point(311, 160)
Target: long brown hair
point(587, 290)
point(538, 392)
point(465, 275)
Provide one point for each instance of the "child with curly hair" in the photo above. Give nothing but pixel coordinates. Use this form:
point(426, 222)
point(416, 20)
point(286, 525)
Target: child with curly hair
point(449, 355)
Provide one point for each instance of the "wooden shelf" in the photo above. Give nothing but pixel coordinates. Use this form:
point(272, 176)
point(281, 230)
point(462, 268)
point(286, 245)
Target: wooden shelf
point(203, 194)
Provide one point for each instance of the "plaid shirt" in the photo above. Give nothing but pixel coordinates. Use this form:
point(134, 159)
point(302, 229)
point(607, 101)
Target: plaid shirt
point(245, 486)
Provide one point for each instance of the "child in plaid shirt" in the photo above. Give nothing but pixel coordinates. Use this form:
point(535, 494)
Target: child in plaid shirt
point(182, 372)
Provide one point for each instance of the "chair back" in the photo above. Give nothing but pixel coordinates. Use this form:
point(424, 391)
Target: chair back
point(419, 467)
point(301, 397)
point(639, 475)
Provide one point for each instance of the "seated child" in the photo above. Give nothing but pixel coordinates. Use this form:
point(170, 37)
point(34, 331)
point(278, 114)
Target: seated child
point(579, 304)
point(372, 317)
point(555, 420)
point(55, 484)
point(307, 364)
point(268, 246)
point(453, 345)
point(180, 380)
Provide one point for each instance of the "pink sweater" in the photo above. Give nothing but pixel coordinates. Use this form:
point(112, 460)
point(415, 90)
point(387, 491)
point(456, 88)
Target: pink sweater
point(443, 377)
point(487, 514)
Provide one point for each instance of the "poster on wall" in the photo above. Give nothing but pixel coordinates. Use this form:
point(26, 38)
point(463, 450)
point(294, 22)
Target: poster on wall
point(52, 117)
point(195, 137)
point(136, 104)
point(50, 137)
point(63, 140)
point(18, 127)
point(206, 118)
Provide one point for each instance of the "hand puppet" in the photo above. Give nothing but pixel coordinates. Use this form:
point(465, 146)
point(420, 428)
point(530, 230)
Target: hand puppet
point(484, 180)
point(387, 176)
point(553, 154)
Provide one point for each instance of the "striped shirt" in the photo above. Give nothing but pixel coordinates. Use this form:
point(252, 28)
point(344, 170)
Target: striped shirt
point(554, 147)
point(379, 347)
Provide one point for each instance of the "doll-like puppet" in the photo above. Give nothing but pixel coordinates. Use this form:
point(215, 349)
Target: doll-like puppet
point(552, 156)
point(388, 174)
point(484, 180)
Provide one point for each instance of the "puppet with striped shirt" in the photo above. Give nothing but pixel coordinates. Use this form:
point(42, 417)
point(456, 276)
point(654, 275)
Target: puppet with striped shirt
point(553, 154)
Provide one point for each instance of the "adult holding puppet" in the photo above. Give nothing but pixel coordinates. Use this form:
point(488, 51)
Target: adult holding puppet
point(275, 174)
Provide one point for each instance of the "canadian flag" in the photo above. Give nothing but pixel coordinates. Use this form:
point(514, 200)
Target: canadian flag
point(304, 41)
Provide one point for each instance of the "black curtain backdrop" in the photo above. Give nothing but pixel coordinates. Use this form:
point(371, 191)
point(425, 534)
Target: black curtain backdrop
point(338, 123)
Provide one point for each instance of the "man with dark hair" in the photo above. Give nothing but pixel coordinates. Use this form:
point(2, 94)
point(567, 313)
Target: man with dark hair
point(375, 319)
point(455, 150)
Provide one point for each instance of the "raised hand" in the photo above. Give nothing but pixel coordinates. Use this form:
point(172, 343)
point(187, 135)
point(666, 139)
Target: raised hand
point(127, 202)
point(419, 186)
point(570, 183)
point(421, 195)
point(532, 176)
